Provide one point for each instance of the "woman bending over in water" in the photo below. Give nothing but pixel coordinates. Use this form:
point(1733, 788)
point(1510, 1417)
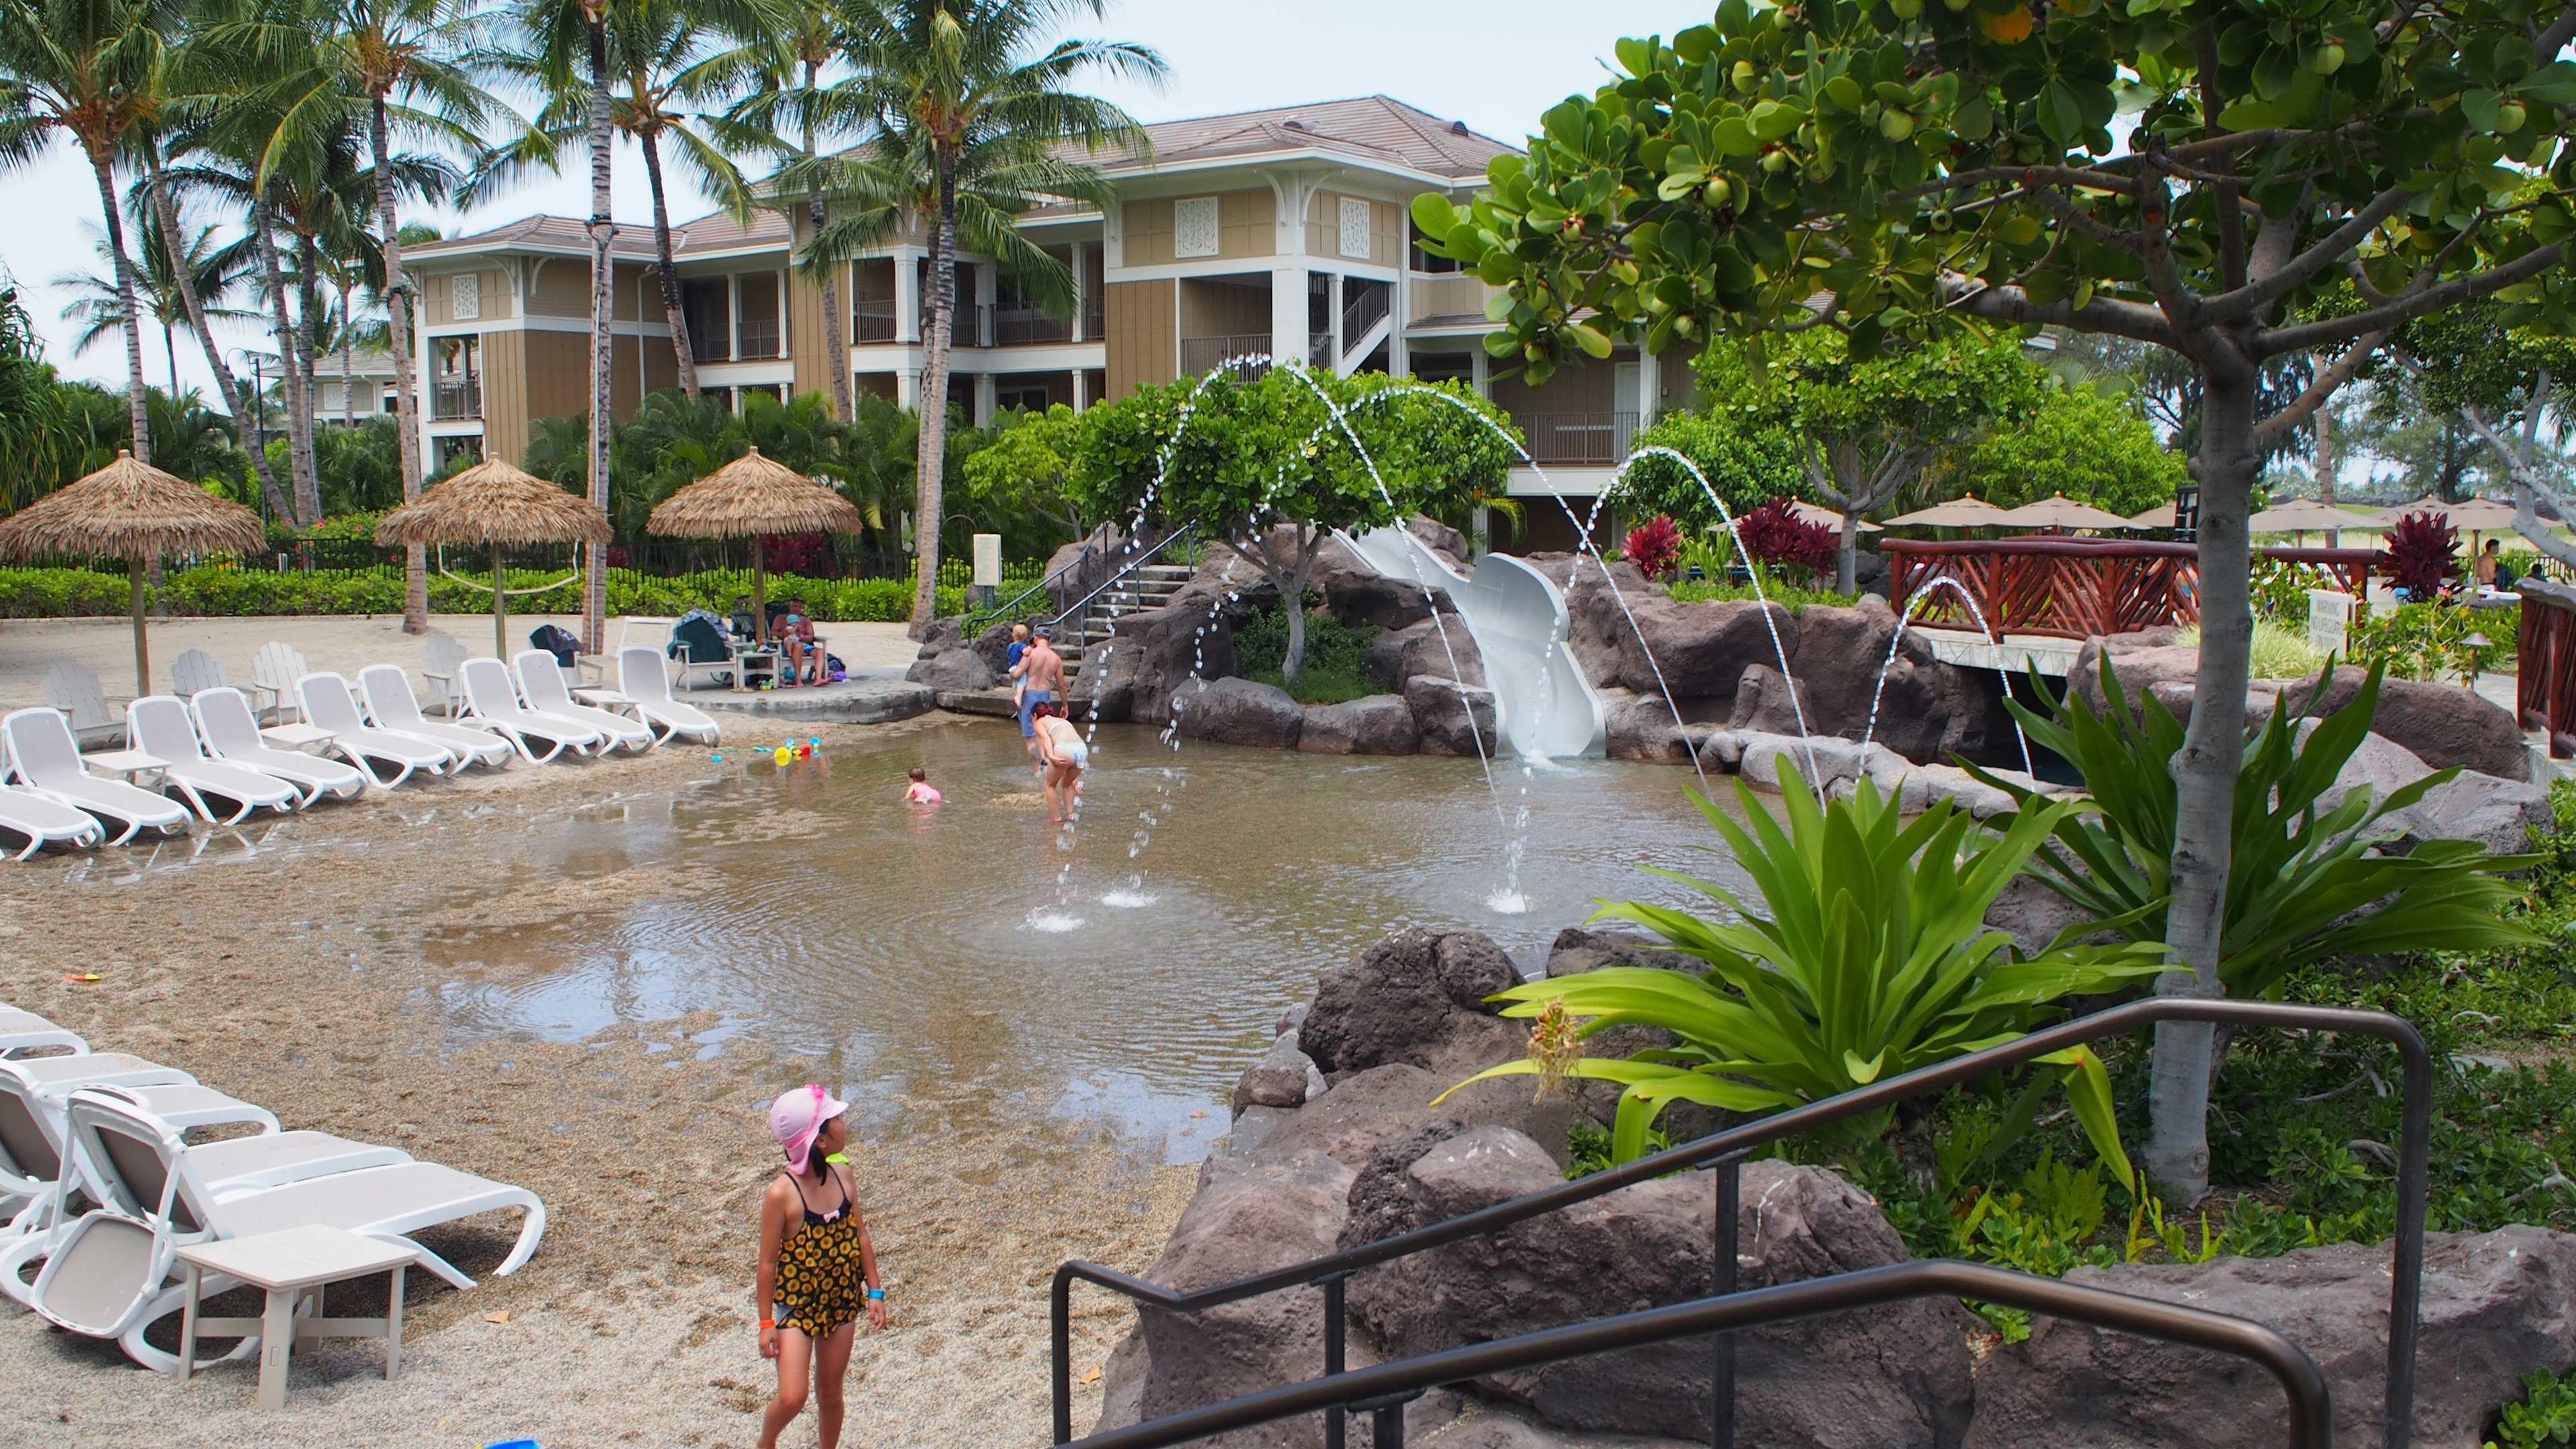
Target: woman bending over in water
point(1063, 754)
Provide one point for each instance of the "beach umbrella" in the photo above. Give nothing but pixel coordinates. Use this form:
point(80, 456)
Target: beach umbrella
point(2306, 515)
point(136, 512)
point(2061, 512)
point(496, 504)
point(1806, 512)
point(1968, 512)
point(756, 496)
point(2160, 516)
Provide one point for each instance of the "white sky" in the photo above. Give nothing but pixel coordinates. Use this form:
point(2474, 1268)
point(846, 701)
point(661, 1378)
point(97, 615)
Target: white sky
point(1496, 68)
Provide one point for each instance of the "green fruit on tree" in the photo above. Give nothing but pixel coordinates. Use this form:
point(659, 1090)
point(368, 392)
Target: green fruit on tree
point(2327, 60)
point(1743, 75)
point(2509, 118)
point(1716, 192)
point(1896, 125)
point(1906, 9)
point(1775, 162)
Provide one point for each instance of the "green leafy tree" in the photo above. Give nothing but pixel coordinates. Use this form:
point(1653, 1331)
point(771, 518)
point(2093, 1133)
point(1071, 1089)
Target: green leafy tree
point(2500, 383)
point(1264, 464)
point(966, 120)
point(2074, 441)
point(1866, 425)
point(1898, 169)
point(1746, 462)
point(1028, 467)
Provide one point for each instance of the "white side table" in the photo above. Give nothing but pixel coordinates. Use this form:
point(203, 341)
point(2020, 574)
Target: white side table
point(128, 763)
point(296, 736)
point(286, 1264)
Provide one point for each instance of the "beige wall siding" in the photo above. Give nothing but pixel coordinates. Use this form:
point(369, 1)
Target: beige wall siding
point(1245, 227)
point(1148, 241)
point(558, 366)
point(505, 395)
point(560, 287)
point(1447, 297)
point(1216, 307)
point(806, 344)
point(661, 364)
point(1137, 318)
point(1324, 230)
point(494, 288)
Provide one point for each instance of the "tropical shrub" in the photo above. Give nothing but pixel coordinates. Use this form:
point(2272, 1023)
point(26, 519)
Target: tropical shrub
point(2305, 881)
point(1774, 534)
point(1335, 655)
point(217, 590)
point(2423, 554)
point(2277, 652)
point(2438, 641)
point(1654, 546)
point(1868, 955)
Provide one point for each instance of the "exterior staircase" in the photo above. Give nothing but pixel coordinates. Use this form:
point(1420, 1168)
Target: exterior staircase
point(1146, 586)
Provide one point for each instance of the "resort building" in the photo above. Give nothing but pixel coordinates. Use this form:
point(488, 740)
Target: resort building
point(1267, 234)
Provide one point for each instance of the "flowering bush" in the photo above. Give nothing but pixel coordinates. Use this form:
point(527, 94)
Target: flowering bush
point(1776, 536)
point(2423, 553)
point(1654, 546)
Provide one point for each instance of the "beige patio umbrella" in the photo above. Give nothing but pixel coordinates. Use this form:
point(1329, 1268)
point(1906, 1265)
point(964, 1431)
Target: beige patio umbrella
point(2160, 516)
point(136, 512)
point(756, 496)
point(1968, 512)
point(2062, 512)
point(496, 504)
point(2307, 515)
point(1806, 512)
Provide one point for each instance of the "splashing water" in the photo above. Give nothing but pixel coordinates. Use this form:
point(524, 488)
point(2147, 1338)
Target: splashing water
point(1131, 896)
point(1053, 922)
point(1905, 621)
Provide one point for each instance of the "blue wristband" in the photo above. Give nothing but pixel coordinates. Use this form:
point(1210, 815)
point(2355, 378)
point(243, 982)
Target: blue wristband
point(877, 1294)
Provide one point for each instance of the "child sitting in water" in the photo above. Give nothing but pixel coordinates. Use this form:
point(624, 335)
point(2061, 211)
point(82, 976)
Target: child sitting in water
point(920, 791)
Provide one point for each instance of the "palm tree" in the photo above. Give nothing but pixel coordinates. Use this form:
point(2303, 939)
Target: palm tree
point(963, 128)
point(214, 270)
point(86, 68)
point(399, 67)
point(782, 70)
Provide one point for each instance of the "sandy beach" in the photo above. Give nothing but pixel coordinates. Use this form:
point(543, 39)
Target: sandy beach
point(291, 971)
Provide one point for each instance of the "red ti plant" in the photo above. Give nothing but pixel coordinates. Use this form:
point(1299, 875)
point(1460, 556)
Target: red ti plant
point(1775, 535)
point(2423, 553)
point(1655, 547)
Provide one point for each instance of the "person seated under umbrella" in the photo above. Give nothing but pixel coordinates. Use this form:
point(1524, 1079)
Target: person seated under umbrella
point(794, 631)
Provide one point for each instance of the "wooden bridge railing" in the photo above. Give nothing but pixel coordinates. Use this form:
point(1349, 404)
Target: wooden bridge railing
point(2075, 588)
point(2545, 680)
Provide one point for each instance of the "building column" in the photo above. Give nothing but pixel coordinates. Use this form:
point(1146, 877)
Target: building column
point(907, 299)
point(981, 412)
point(1288, 313)
point(907, 388)
point(1080, 301)
point(1081, 380)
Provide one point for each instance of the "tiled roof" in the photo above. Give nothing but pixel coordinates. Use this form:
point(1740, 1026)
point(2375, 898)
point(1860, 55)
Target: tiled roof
point(715, 232)
point(1378, 128)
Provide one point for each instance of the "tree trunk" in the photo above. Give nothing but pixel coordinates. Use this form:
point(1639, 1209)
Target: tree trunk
point(167, 215)
point(669, 272)
point(1846, 555)
point(2325, 464)
point(2204, 771)
point(135, 568)
point(298, 417)
point(931, 450)
point(348, 366)
point(406, 404)
point(308, 342)
point(138, 416)
point(836, 355)
point(594, 588)
point(170, 355)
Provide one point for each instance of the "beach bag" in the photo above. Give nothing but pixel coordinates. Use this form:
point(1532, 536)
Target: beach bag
point(557, 641)
point(834, 669)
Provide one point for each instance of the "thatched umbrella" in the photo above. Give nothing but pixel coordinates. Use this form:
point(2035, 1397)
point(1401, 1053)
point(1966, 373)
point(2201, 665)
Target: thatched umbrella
point(497, 504)
point(136, 512)
point(756, 496)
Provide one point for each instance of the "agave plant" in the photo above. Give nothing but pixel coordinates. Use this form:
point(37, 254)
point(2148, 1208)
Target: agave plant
point(1868, 955)
point(2303, 883)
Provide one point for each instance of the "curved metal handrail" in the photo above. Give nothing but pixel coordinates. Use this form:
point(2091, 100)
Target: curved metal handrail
point(2414, 1153)
point(968, 621)
point(2311, 1405)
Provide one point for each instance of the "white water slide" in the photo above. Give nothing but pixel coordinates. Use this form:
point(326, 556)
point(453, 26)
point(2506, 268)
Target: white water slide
point(1543, 707)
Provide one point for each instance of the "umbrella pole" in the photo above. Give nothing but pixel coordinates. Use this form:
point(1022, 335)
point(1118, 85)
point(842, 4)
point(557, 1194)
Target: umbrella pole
point(142, 649)
point(500, 609)
point(759, 592)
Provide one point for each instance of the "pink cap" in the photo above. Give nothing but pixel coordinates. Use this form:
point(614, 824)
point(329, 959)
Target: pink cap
point(798, 1117)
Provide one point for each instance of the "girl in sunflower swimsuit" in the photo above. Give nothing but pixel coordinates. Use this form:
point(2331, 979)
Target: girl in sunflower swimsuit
point(818, 1271)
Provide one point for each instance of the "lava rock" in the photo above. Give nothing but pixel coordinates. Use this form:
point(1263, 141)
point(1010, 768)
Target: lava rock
point(1279, 1079)
point(1924, 710)
point(2498, 814)
point(2442, 724)
point(1441, 648)
point(1349, 1119)
point(1702, 650)
point(1453, 719)
point(1575, 951)
point(1378, 724)
point(1238, 712)
point(949, 661)
point(1596, 623)
point(1898, 1375)
point(1721, 750)
point(1153, 657)
point(2495, 1308)
point(1418, 997)
point(1762, 705)
point(1642, 727)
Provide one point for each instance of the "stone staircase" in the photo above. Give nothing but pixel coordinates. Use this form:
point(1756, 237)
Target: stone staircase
point(1146, 586)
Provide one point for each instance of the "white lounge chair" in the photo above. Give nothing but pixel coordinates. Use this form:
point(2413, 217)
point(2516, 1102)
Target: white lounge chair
point(25, 1031)
point(109, 1273)
point(196, 671)
point(231, 733)
point(643, 676)
point(33, 1128)
point(44, 821)
point(440, 655)
point(45, 758)
point(74, 689)
point(329, 705)
point(159, 726)
point(492, 700)
point(273, 672)
point(392, 706)
point(541, 684)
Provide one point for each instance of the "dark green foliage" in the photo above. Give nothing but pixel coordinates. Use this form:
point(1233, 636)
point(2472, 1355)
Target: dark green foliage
point(2546, 1415)
point(1334, 654)
point(39, 593)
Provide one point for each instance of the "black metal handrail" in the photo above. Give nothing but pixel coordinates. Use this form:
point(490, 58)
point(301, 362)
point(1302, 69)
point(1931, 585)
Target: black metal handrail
point(968, 621)
point(1726, 1149)
point(1386, 1388)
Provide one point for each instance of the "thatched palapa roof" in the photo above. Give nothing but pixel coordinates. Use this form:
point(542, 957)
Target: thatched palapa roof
point(753, 495)
point(493, 502)
point(130, 510)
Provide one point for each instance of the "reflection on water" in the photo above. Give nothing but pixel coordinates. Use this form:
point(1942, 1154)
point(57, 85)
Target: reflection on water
point(964, 959)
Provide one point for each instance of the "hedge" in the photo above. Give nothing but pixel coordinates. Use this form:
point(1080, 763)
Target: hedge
point(53, 593)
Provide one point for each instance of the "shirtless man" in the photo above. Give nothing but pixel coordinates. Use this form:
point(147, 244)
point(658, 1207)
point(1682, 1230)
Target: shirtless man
point(1041, 682)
